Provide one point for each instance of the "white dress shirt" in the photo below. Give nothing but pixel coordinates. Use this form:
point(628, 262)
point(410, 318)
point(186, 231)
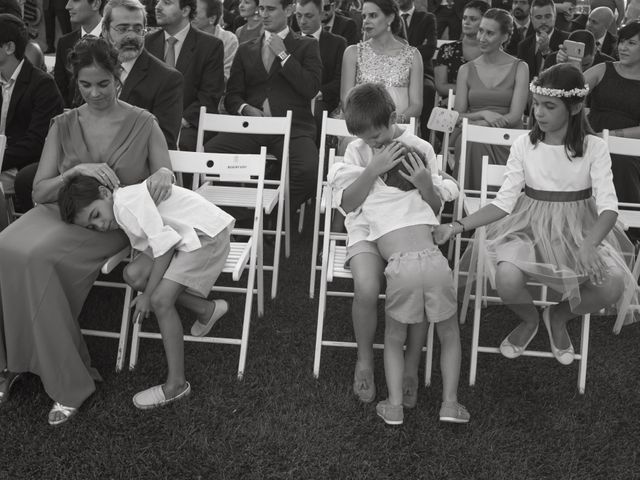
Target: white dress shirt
point(174, 222)
point(96, 32)
point(7, 91)
point(230, 43)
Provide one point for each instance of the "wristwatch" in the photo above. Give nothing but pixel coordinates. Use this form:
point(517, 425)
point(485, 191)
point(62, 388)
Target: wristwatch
point(283, 55)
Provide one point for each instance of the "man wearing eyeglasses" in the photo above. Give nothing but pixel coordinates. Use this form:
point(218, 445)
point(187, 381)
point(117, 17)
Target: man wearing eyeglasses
point(337, 24)
point(146, 81)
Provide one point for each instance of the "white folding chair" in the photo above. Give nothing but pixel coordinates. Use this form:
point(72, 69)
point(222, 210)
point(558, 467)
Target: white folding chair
point(334, 252)
point(493, 176)
point(337, 128)
point(468, 200)
point(244, 255)
point(276, 192)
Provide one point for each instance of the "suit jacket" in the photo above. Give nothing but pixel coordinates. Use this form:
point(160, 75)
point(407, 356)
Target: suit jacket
point(61, 74)
point(201, 62)
point(154, 86)
point(422, 35)
point(458, 6)
point(332, 49)
point(346, 28)
point(516, 38)
point(288, 87)
point(610, 45)
point(527, 50)
point(35, 100)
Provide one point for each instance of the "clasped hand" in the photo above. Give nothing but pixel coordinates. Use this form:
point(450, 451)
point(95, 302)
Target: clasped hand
point(494, 119)
point(591, 264)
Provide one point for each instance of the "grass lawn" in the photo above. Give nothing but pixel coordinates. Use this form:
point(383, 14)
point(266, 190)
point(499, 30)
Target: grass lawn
point(528, 419)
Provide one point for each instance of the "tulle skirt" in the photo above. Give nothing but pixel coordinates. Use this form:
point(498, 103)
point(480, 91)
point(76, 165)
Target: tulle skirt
point(542, 239)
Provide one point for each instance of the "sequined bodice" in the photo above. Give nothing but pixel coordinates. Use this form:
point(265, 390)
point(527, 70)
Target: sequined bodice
point(389, 70)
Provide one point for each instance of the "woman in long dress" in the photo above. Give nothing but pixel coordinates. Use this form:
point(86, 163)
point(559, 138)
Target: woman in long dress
point(47, 267)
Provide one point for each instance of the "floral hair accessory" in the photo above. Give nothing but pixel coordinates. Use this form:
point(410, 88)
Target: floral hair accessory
point(558, 92)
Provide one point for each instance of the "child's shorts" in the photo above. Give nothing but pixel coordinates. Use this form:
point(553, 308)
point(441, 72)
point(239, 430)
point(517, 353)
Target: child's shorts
point(419, 283)
point(199, 269)
point(363, 246)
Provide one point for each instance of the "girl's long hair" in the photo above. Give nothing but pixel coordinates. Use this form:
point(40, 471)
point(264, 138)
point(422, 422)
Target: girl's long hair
point(565, 76)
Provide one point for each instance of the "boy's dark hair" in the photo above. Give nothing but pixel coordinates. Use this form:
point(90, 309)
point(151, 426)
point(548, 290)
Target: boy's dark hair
point(13, 29)
point(565, 76)
point(368, 106)
point(75, 195)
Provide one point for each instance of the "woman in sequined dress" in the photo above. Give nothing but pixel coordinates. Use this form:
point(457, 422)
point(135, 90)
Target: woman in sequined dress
point(385, 59)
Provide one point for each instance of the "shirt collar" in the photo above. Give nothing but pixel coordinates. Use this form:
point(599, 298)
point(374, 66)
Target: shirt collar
point(601, 39)
point(525, 25)
point(410, 12)
point(97, 30)
point(330, 22)
point(180, 36)
point(127, 66)
point(14, 76)
point(282, 33)
point(317, 33)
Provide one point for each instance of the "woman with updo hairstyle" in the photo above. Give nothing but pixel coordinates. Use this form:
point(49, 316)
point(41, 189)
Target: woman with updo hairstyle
point(384, 58)
point(56, 262)
point(492, 91)
point(252, 21)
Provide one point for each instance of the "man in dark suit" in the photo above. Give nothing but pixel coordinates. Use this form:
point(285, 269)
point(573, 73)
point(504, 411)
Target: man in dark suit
point(448, 15)
point(199, 56)
point(87, 14)
point(522, 26)
point(420, 28)
point(30, 99)
point(337, 24)
point(332, 49)
point(592, 56)
point(598, 23)
point(146, 81)
point(276, 72)
point(55, 10)
point(535, 48)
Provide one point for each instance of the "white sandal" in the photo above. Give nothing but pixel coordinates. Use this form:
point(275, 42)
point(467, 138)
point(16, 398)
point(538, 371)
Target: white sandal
point(67, 413)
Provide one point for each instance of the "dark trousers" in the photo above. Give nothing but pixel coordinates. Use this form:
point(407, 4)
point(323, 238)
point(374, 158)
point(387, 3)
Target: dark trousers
point(303, 158)
point(50, 15)
point(446, 17)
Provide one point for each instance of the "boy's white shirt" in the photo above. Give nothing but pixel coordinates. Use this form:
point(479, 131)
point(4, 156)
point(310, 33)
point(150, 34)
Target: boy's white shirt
point(172, 223)
point(385, 208)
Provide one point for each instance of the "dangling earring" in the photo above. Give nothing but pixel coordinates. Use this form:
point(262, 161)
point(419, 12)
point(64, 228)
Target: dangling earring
point(388, 26)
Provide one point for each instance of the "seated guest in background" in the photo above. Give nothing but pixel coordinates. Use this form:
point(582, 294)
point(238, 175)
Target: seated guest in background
point(420, 30)
point(591, 55)
point(616, 7)
point(351, 9)
point(337, 24)
point(33, 52)
point(277, 72)
point(451, 56)
point(30, 99)
point(57, 263)
point(599, 22)
point(253, 27)
point(492, 91)
point(87, 14)
point(208, 15)
point(331, 51)
point(55, 10)
point(146, 81)
point(197, 55)
point(522, 26)
point(615, 105)
point(448, 17)
point(535, 48)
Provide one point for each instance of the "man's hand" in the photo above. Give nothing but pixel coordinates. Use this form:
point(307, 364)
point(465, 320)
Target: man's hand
point(251, 111)
point(542, 42)
point(276, 44)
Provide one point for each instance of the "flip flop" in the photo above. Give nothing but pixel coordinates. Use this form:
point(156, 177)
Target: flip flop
point(200, 330)
point(154, 397)
point(67, 413)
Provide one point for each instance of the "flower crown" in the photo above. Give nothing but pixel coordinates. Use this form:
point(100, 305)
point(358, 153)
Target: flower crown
point(558, 92)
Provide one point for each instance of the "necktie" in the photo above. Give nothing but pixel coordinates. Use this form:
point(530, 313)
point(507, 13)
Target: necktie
point(267, 59)
point(405, 19)
point(598, 45)
point(309, 35)
point(170, 54)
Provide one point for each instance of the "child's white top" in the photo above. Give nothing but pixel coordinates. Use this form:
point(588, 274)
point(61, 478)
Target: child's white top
point(386, 208)
point(172, 223)
point(547, 167)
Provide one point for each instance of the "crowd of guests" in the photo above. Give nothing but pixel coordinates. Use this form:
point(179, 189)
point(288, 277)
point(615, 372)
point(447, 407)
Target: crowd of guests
point(128, 85)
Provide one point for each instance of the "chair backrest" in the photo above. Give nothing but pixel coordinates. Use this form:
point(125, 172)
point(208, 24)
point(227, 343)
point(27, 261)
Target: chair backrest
point(224, 167)
point(3, 144)
point(622, 145)
point(492, 176)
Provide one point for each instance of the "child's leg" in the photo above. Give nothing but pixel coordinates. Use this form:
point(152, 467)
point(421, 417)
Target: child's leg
point(163, 301)
point(137, 272)
point(450, 357)
point(202, 307)
point(511, 286)
point(415, 341)
point(593, 298)
point(395, 334)
point(367, 270)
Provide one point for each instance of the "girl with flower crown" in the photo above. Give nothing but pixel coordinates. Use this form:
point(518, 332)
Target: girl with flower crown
point(561, 230)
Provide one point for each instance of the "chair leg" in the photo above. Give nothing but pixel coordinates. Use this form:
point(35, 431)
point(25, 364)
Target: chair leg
point(124, 329)
point(429, 356)
point(301, 218)
point(276, 251)
point(584, 353)
point(246, 321)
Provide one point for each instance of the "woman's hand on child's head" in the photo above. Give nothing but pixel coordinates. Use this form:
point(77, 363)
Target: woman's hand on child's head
point(100, 171)
point(387, 157)
point(442, 233)
point(418, 172)
point(142, 304)
point(591, 264)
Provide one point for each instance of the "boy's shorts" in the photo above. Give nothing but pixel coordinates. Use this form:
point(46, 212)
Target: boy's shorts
point(199, 269)
point(363, 246)
point(419, 283)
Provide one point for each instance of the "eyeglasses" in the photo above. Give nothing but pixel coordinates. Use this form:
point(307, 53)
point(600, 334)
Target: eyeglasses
point(122, 29)
point(327, 7)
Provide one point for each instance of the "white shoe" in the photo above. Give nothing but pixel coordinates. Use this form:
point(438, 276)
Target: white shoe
point(200, 330)
point(565, 356)
point(511, 350)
